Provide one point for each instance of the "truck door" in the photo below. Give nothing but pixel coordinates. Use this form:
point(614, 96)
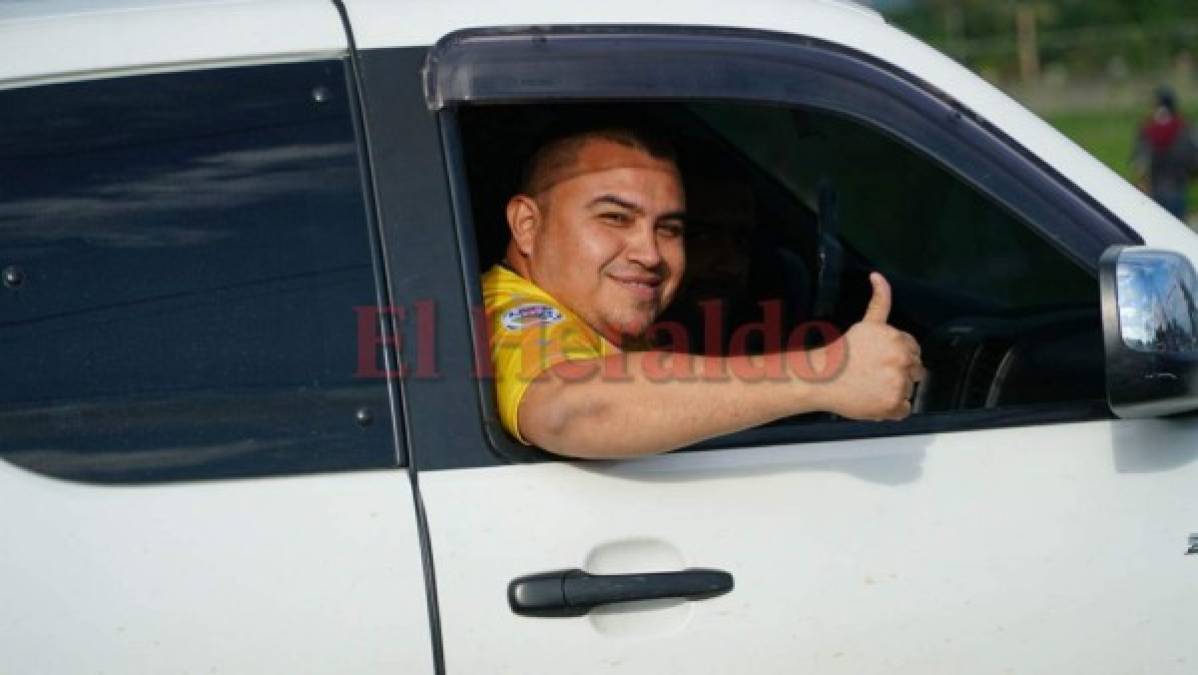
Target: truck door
point(1011, 524)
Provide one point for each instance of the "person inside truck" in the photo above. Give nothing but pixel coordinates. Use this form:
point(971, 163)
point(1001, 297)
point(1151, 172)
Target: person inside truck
point(596, 253)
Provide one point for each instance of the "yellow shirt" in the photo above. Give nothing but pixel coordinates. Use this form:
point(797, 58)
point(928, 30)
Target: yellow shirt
point(530, 333)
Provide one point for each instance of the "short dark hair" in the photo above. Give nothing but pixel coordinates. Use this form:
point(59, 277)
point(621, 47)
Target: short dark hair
point(1166, 98)
point(562, 150)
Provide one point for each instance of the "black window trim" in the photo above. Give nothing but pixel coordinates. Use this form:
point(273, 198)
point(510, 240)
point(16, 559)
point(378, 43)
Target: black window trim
point(575, 63)
point(382, 289)
point(442, 423)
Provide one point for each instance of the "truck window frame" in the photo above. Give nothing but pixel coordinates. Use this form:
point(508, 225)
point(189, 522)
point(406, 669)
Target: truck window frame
point(481, 67)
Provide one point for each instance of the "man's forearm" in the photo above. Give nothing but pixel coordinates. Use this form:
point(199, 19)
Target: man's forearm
point(639, 403)
point(644, 402)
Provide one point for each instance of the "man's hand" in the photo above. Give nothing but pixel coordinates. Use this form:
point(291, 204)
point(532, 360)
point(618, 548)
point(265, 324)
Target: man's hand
point(882, 365)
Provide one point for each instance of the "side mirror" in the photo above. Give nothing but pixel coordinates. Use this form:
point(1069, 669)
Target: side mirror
point(1150, 331)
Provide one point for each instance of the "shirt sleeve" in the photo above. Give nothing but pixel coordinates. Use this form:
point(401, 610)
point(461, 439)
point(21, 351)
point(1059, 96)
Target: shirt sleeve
point(527, 339)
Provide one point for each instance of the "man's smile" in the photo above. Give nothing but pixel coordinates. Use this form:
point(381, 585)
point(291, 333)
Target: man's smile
point(642, 286)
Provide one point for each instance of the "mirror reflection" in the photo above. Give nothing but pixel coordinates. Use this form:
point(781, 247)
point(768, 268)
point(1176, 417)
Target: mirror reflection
point(1156, 296)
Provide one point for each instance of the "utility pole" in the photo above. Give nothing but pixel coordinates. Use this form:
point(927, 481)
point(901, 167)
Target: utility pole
point(954, 31)
point(1027, 44)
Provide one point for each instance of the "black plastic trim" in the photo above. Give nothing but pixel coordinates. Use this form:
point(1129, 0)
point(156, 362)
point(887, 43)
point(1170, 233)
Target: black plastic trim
point(574, 592)
point(369, 189)
point(391, 359)
point(422, 255)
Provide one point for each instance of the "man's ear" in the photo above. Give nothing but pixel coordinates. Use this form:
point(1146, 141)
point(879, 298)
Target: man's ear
point(523, 220)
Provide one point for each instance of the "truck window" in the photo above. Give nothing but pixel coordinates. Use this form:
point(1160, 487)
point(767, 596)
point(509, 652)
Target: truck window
point(184, 254)
point(794, 206)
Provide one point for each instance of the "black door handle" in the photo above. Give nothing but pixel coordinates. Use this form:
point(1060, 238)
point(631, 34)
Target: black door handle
point(574, 592)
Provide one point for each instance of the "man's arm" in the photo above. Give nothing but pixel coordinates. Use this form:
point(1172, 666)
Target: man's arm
point(619, 406)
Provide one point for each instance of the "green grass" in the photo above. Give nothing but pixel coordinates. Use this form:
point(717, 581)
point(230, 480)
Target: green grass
point(1109, 135)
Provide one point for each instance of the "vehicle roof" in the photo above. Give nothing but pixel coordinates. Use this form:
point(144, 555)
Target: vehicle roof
point(48, 40)
point(379, 23)
point(41, 40)
point(62, 9)
point(55, 40)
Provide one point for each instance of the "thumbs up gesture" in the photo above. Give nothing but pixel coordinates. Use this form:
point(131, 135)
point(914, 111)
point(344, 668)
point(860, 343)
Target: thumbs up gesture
point(882, 365)
point(878, 309)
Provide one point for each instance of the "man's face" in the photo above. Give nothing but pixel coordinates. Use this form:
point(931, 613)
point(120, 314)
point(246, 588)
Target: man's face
point(608, 238)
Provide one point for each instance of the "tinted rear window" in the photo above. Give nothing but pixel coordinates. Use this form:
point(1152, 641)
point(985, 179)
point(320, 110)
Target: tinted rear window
point(185, 256)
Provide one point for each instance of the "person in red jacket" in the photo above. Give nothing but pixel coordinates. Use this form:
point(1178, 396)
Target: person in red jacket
point(1166, 154)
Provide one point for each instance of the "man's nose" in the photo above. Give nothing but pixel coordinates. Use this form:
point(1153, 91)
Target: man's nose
point(643, 247)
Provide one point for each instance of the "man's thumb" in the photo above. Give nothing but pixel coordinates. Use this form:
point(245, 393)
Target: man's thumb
point(878, 310)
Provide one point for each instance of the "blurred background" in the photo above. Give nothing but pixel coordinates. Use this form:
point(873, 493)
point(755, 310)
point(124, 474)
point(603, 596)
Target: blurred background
point(1089, 67)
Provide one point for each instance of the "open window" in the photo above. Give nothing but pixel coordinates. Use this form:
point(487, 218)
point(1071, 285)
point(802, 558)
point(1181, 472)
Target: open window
point(801, 179)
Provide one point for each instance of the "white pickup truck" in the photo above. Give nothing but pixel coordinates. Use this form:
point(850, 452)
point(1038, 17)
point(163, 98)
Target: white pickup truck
point(244, 427)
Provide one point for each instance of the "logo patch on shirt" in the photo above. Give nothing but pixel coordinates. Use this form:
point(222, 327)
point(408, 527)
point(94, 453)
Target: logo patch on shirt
point(524, 316)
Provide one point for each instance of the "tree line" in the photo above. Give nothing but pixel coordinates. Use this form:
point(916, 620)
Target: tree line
point(1019, 38)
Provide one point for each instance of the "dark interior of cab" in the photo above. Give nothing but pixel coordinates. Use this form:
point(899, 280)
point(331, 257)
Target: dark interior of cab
point(796, 207)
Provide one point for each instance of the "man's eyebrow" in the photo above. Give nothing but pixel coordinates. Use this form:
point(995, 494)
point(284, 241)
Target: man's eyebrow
point(636, 208)
point(612, 199)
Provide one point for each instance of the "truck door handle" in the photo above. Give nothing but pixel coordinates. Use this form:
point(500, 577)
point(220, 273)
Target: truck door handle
point(575, 592)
